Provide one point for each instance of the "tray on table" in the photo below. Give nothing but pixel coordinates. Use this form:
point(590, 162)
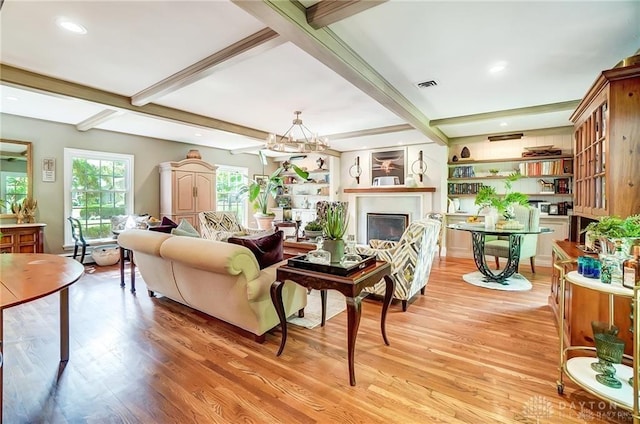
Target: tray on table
point(335, 268)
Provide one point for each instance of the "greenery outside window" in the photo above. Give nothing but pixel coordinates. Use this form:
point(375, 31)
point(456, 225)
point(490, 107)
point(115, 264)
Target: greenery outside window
point(229, 194)
point(98, 185)
point(13, 188)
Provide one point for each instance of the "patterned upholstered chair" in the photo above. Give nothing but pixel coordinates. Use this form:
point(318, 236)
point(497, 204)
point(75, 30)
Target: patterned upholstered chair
point(438, 217)
point(499, 246)
point(219, 226)
point(411, 258)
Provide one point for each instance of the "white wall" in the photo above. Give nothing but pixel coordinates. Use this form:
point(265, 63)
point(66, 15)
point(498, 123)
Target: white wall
point(434, 155)
point(50, 138)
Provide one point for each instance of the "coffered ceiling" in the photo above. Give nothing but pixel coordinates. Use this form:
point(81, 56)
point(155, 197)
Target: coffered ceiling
point(226, 73)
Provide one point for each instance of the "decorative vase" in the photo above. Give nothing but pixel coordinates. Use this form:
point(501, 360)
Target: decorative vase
point(313, 234)
point(609, 349)
point(264, 221)
point(600, 327)
point(410, 181)
point(194, 154)
point(335, 248)
point(465, 153)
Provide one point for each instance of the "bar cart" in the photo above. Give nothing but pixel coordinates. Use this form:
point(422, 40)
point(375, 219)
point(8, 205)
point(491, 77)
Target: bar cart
point(578, 368)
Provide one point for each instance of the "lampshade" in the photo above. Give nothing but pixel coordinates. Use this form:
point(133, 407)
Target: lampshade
point(298, 138)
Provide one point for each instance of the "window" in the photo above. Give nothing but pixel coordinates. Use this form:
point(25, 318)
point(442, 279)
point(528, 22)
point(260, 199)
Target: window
point(98, 185)
point(13, 189)
point(230, 196)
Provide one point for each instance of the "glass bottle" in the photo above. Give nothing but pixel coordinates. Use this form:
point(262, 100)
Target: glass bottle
point(631, 269)
point(616, 272)
point(319, 256)
point(351, 256)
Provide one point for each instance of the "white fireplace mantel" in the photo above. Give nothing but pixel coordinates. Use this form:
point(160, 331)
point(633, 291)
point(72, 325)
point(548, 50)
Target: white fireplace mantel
point(415, 201)
point(391, 189)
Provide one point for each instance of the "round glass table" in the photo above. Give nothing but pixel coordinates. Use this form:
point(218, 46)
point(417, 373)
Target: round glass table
point(478, 234)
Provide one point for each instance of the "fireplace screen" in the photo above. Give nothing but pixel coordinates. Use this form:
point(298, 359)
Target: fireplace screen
point(386, 226)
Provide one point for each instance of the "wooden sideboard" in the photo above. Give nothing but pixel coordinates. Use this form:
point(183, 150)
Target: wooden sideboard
point(583, 305)
point(22, 238)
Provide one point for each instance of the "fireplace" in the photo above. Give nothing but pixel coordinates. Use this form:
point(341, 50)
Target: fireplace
point(386, 226)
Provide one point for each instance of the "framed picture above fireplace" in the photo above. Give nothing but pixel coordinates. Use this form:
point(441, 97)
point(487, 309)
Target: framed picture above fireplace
point(387, 166)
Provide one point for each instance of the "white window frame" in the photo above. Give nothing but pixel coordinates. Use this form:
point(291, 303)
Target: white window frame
point(69, 155)
point(244, 171)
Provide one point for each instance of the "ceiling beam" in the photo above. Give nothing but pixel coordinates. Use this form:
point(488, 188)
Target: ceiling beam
point(327, 12)
point(266, 39)
point(48, 85)
point(370, 131)
point(97, 119)
point(289, 20)
point(531, 110)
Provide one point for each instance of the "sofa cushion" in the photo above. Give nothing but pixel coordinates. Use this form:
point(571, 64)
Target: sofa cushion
point(268, 249)
point(185, 229)
point(166, 225)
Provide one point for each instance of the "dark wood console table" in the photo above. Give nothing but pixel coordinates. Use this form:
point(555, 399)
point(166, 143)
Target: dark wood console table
point(350, 286)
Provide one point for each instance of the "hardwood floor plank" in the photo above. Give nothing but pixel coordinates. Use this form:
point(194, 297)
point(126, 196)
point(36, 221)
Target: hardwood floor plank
point(460, 354)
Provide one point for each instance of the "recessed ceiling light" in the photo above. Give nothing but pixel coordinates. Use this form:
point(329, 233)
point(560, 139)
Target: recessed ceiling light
point(71, 26)
point(12, 98)
point(498, 67)
point(503, 124)
point(198, 135)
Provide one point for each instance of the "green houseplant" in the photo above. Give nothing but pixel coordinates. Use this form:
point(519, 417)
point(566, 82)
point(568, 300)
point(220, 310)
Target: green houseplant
point(334, 227)
point(313, 229)
point(608, 229)
point(261, 191)
point(487, 196)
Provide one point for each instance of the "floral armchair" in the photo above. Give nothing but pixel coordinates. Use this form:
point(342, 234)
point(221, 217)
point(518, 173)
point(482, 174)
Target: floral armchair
point(411, 258)
point(220, 226)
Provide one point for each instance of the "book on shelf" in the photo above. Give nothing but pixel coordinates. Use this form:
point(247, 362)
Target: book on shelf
point(549, 167)
point(463, 172)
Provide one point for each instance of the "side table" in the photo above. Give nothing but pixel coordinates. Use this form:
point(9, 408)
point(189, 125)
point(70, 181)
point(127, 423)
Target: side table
point(126, 253)
point(350, 286)
point(288, 224)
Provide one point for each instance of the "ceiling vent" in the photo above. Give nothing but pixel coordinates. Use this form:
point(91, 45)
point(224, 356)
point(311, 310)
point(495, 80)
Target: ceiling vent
point(515, 136)
point(426, 84)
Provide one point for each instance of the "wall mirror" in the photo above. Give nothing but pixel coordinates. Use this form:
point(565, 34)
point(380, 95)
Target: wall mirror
point(16, 174)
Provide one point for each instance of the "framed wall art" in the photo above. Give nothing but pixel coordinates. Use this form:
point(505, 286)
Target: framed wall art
point(261, 180)
point(49, 170)
point(388, 167)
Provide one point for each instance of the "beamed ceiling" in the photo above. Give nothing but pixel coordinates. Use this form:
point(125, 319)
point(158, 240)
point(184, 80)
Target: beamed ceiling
point(226, 73)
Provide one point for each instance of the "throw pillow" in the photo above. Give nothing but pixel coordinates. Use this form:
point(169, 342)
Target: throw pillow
point(165, 226)
point(185, 229)
point(268, 249)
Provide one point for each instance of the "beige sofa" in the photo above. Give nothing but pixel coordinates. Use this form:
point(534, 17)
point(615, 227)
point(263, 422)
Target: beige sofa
point(218, 278)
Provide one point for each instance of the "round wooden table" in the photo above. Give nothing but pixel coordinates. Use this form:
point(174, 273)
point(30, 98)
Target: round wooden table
point(29, 276)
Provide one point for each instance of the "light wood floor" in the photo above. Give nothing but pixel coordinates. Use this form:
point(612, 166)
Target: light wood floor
point(460, 354)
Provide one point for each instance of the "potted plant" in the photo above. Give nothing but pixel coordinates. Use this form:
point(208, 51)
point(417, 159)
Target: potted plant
point(334, 227)
point(259, 194)
point(608, 229)
point(313, 229)
point(487, 196)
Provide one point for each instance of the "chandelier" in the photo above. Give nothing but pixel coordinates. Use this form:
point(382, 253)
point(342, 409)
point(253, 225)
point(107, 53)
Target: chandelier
point(305, 143)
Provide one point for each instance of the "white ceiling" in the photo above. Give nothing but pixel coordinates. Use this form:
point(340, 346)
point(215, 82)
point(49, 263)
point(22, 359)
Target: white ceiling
point(553, 52)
